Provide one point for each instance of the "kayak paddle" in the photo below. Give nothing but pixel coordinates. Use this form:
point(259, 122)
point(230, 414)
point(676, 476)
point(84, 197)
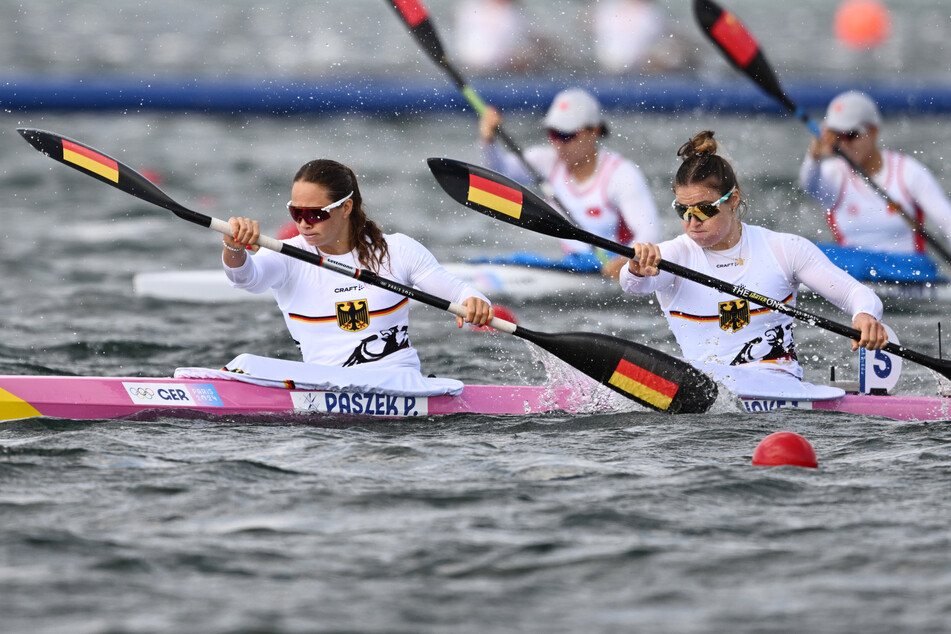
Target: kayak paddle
point(650, 377)
point(743, 52)
point(502, 198)
point(416, 17)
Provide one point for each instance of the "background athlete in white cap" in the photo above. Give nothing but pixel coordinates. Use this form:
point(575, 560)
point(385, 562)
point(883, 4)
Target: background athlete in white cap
point(860, 217)
point(601, 191)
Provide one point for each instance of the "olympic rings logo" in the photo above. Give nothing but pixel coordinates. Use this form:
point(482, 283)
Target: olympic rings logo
point(142, 392)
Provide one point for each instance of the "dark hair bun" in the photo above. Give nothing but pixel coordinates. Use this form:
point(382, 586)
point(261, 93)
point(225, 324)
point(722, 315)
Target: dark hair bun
point(702, 143)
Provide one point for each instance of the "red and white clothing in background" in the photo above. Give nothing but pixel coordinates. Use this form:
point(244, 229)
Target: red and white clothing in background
point(614, 203)
point(860, 217)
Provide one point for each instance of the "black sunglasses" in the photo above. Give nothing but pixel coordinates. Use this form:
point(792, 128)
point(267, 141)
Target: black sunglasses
point(849, 135)
point(313, 215)
point(702, 211)
point(563, 137)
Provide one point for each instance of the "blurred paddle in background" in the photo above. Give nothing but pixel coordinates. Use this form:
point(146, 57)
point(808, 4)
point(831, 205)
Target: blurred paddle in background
point(743, 52)
point(416, 18)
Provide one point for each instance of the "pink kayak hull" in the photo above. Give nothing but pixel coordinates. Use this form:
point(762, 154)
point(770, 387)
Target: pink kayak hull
point(136, 397)
point(910, 408)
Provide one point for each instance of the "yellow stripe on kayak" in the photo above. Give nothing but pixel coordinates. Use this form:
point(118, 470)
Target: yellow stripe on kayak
point(12, 407)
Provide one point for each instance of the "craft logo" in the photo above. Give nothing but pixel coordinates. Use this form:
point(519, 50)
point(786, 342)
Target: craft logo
point(353, 316)
point(734, 314)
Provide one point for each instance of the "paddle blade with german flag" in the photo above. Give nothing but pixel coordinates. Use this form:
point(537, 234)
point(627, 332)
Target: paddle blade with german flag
point(499, 197)
point(650, 377)
point(102, 167)
point(739, 46)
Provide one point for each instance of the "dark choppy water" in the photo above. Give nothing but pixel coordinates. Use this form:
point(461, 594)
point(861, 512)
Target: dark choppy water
point(610, 522)
point(601, 522)
point(597, 523)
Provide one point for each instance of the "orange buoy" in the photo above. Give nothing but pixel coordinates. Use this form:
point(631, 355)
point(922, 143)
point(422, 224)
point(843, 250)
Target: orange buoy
point(862, 23)
point(785, 448)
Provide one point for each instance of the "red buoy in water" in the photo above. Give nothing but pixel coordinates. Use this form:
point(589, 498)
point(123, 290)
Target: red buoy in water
point(287, 230)
point(785, 448)
point(500, 311)
point(153, 175)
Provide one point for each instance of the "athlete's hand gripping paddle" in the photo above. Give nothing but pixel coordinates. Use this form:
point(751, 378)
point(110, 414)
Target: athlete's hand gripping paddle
point(502, 198)
point(647, 376)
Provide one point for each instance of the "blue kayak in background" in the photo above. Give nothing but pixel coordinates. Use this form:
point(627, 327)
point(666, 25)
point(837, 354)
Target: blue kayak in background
point(526, 275)
point(573, 262)
point(880, 266)
point(863, 265)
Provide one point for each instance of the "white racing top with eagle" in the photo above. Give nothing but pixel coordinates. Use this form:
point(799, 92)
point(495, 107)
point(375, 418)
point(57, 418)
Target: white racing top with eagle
point(712, 326)
point(340, 321)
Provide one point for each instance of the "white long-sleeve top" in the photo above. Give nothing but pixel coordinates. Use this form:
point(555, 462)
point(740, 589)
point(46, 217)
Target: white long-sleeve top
point(614, 203)
point(860, 217)
point(339, 321)
point(710, 325)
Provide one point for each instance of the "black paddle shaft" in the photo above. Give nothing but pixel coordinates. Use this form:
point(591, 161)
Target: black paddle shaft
point(416, 17)
point(645, 375)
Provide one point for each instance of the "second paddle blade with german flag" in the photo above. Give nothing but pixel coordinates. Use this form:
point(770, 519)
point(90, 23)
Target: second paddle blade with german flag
point(499, 197)
point(650, 377)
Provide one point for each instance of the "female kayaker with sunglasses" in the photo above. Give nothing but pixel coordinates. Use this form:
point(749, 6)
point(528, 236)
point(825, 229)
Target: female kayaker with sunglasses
point(336, 320)
point(741, 344)
point(858, 216)
point(602, 192)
